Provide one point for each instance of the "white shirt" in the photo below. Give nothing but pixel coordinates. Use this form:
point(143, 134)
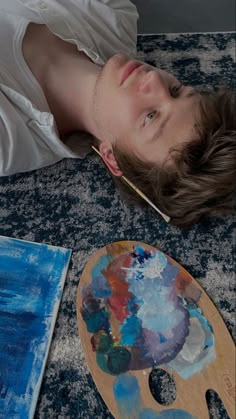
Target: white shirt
point(100, 28)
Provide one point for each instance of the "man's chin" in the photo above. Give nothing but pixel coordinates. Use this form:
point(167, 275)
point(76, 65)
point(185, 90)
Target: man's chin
point(117, 60)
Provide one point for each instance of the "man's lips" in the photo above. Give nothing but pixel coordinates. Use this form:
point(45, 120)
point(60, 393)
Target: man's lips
point(129, 68)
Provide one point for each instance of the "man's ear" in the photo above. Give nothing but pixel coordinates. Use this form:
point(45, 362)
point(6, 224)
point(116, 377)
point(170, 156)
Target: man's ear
point(109, 158)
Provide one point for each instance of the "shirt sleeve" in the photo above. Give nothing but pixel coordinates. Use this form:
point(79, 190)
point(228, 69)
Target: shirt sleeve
point(19, 8)
point(98, 27)
point(20, 150)
point(10, 126)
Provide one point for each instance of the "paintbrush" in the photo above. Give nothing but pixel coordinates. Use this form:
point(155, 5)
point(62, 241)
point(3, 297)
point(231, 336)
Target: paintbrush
point(138, 191)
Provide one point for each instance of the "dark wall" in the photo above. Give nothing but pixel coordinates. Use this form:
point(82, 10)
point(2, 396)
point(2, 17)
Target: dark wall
point(157, 16)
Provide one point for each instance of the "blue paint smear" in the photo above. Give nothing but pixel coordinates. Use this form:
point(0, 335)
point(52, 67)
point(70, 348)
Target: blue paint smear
point(130, 330)
point(125, 387)
point(127, 394)
point(206, 356)
point(196, 312)
point(162, 338)
point(96, 321)
point(100, 287)
point(31, 282)
point(141, 254)
point(165, 414)
point(133, 304)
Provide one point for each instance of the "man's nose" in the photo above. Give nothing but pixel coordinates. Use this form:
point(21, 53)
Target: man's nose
point(152, 83)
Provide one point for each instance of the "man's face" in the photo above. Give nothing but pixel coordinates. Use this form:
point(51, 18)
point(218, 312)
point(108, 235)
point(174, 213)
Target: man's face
point(145, 112)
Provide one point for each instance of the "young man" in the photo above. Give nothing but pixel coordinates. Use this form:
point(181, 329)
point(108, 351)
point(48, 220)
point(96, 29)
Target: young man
point(66, 67)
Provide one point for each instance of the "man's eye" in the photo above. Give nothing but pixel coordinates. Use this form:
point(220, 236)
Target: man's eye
point(174, 90)
point(149, 117)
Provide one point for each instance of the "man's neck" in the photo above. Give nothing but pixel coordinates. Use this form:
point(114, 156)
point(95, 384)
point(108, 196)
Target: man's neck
point(69, 90)
point(67, 77)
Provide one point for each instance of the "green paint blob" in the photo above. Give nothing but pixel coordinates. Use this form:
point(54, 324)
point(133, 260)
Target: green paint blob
point(118, 360)
point(96, 321)
point(115, 361)
point(105, 343)
point(102, 362)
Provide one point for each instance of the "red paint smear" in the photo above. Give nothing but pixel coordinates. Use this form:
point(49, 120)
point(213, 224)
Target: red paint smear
point(115, 276)
point(183, 280)
point(93, 343)
point(118, 306)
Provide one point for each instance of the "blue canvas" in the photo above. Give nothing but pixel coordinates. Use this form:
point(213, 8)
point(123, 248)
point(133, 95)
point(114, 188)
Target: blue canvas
point(32, 278)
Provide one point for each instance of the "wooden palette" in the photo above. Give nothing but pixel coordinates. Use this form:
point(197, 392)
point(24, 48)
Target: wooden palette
point(121, 272)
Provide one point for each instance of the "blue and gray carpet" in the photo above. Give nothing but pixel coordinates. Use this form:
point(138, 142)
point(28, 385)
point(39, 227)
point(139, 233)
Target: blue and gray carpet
point(75, 204)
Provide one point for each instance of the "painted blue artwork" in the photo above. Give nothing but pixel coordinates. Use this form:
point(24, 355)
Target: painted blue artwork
point(32, 278)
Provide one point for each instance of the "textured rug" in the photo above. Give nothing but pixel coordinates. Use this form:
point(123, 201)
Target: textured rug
point(75, 204)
